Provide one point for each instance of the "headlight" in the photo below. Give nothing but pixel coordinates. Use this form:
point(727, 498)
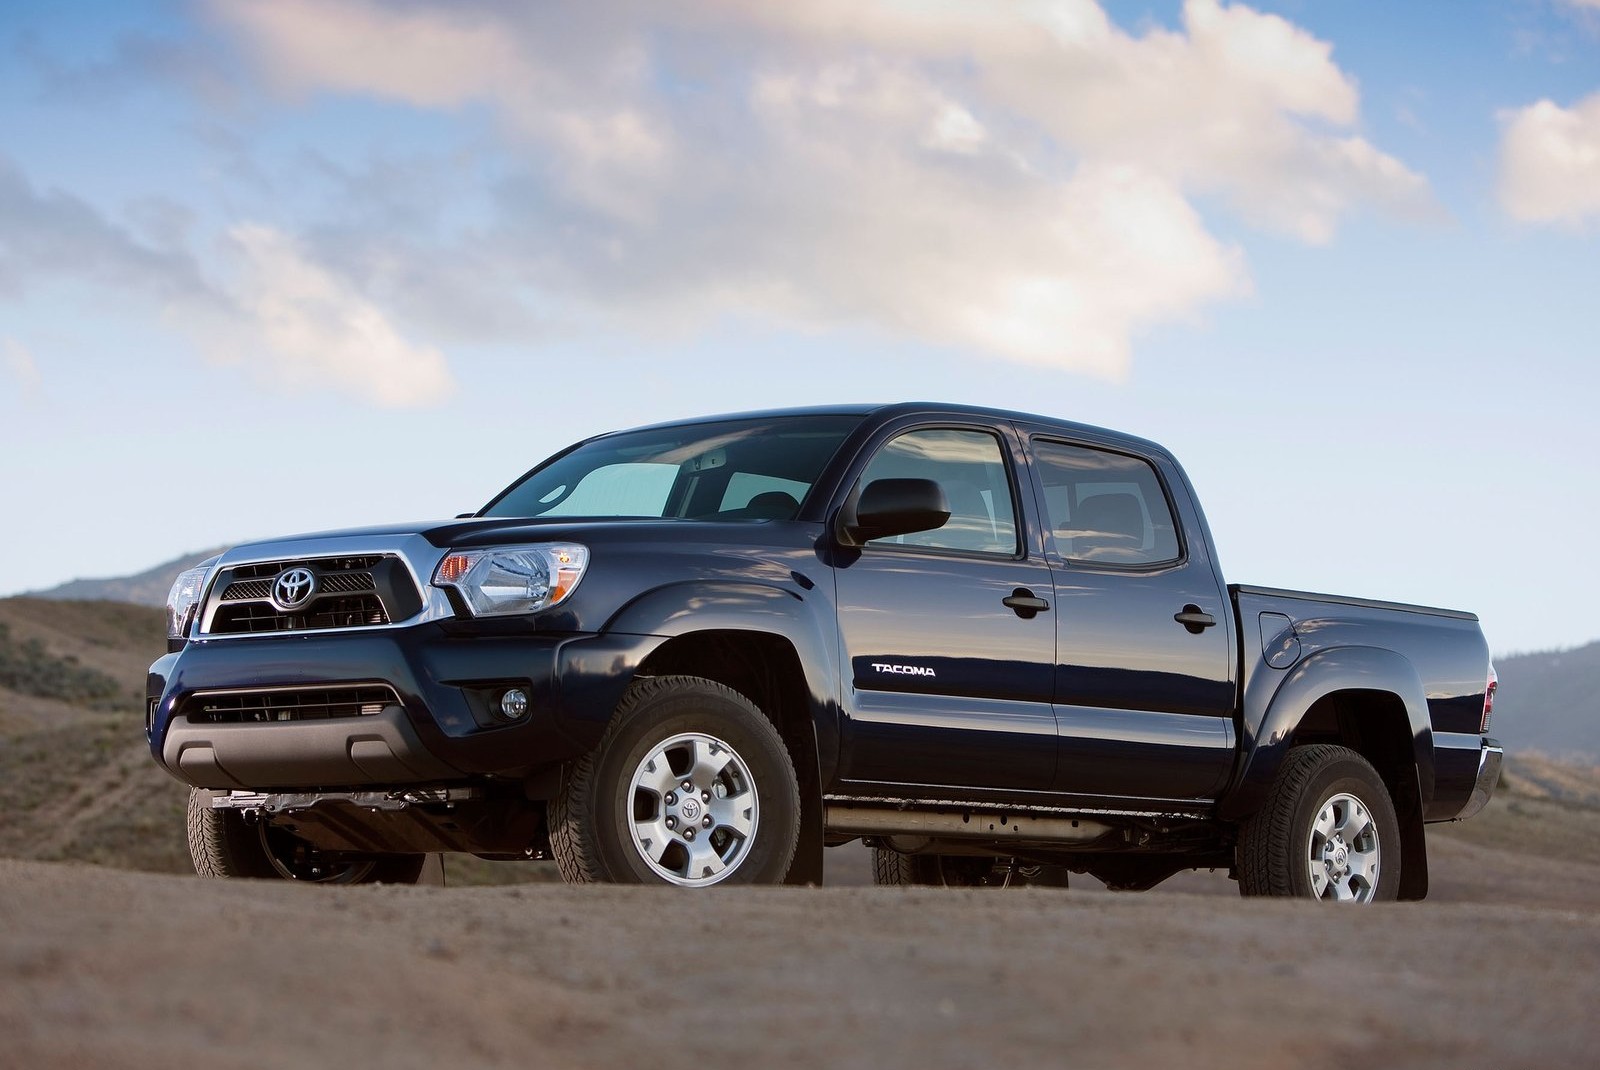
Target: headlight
point(185, 595)
point(525, 579)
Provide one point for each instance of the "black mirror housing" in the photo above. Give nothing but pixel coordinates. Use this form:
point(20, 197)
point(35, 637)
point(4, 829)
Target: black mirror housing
point(896, 507)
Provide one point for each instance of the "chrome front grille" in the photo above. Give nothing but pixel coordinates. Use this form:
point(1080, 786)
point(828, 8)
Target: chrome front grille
point(325, 613)
point(346, 582)
point(271, 569)
point(250, 589)
point(350, 592)
point(287, 704)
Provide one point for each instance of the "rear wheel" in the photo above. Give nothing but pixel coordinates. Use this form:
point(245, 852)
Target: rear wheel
point(890, 867)
point(690, 785)
point(1328, 831)
point(223, 843)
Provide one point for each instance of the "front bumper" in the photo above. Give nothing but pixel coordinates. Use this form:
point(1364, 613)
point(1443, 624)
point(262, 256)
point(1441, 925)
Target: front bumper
point(378, 748)
point(441, 727)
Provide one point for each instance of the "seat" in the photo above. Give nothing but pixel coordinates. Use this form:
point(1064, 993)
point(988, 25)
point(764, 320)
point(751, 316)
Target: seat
point(971, 526)
point(1107, 527)
point(772, 505)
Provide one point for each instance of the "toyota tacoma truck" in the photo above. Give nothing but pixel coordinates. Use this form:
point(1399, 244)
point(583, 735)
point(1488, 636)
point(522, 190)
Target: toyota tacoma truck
point(996, 647)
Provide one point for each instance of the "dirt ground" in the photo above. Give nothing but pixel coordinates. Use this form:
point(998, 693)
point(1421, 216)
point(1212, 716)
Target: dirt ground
point(105, 967)
point(102, 966)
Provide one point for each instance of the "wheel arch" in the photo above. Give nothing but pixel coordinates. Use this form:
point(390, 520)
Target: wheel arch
point(761, 666)
point(766, 668)
point(1368, 699)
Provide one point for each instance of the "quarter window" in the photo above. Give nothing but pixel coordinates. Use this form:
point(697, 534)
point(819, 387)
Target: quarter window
point(972, 470)
point(1105, 508)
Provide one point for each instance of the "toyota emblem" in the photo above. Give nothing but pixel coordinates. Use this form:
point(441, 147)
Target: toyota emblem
point(294, 588)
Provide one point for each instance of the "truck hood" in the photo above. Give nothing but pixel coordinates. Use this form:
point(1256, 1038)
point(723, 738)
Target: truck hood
point(483, 531)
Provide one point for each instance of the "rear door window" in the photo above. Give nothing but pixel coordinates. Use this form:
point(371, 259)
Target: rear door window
point(1105, 508)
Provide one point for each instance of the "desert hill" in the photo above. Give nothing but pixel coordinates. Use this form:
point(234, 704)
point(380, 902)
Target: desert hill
point(1550, 702)
point(147, 588)
point(158, 968)
point(77, 782)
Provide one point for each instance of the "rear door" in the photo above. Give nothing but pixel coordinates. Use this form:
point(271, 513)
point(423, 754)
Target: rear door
point(947, 685)
point(1144, 685)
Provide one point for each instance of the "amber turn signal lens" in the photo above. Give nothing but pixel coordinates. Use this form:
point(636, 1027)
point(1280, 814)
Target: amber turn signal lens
point(453, 567)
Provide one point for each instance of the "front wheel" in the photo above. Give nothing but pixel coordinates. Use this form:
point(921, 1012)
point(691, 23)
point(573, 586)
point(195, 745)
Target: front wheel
point(1328, 831)
point(690, 785)
point(222, 843)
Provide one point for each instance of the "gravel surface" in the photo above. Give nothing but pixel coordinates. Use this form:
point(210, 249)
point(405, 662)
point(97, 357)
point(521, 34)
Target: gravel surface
point(112, 968)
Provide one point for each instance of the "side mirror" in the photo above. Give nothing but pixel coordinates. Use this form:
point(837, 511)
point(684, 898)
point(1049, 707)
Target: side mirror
point(895, 507)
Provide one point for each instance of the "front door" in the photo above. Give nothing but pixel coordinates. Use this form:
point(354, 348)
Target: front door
point(948, 685)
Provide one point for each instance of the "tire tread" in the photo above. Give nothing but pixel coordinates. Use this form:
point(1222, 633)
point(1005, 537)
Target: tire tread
point(891, 868)
point(1268, 835)
point(570, 815)
point(223, 846)
point(220, 844)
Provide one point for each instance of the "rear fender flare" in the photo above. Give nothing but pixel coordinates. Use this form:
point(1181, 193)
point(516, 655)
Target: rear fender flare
point(1271, 720)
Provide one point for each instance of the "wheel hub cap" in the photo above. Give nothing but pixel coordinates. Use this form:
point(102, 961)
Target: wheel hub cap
point(1344, 853)
point(694, 809)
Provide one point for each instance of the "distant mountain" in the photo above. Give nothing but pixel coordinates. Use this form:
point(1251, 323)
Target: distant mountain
point(148, 588)
point(1550, 703)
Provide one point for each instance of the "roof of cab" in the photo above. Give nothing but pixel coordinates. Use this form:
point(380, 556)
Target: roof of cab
point(894, 410)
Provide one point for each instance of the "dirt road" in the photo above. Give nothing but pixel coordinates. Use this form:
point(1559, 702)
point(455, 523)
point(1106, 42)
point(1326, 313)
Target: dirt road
point(110, 968)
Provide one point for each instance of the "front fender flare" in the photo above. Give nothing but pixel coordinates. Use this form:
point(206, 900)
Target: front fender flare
point(798, 615)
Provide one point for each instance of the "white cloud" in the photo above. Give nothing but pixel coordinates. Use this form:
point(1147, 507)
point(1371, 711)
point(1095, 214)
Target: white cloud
point(1550, 162)
point(1240, 102)
point(1019, 179)
point(50, 234)
point(294, 320)
point(264, 301)
point(20, 363)
point(430, 58)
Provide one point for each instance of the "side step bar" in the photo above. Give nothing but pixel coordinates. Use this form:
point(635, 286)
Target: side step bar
point(855, 820)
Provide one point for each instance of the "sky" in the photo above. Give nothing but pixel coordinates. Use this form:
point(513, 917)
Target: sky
point(272, 266)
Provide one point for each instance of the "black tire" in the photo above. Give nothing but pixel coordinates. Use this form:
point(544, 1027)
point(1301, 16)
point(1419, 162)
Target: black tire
point(890, 867)
point(1327, 831)
point(622, 817)
point(223, 844)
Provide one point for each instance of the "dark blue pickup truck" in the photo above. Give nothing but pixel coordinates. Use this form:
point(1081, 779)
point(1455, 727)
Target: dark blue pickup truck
point(994, 646)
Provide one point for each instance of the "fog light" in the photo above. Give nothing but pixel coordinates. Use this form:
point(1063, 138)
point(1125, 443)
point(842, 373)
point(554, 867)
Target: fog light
point(514, 704)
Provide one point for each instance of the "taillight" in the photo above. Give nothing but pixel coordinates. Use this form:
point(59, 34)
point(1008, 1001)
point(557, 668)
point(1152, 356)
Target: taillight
point(1488, 700)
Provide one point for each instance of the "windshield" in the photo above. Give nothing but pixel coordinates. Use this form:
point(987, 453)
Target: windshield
point(756, 469)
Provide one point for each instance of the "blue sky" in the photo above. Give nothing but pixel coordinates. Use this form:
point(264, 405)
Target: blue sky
point(275, 267)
